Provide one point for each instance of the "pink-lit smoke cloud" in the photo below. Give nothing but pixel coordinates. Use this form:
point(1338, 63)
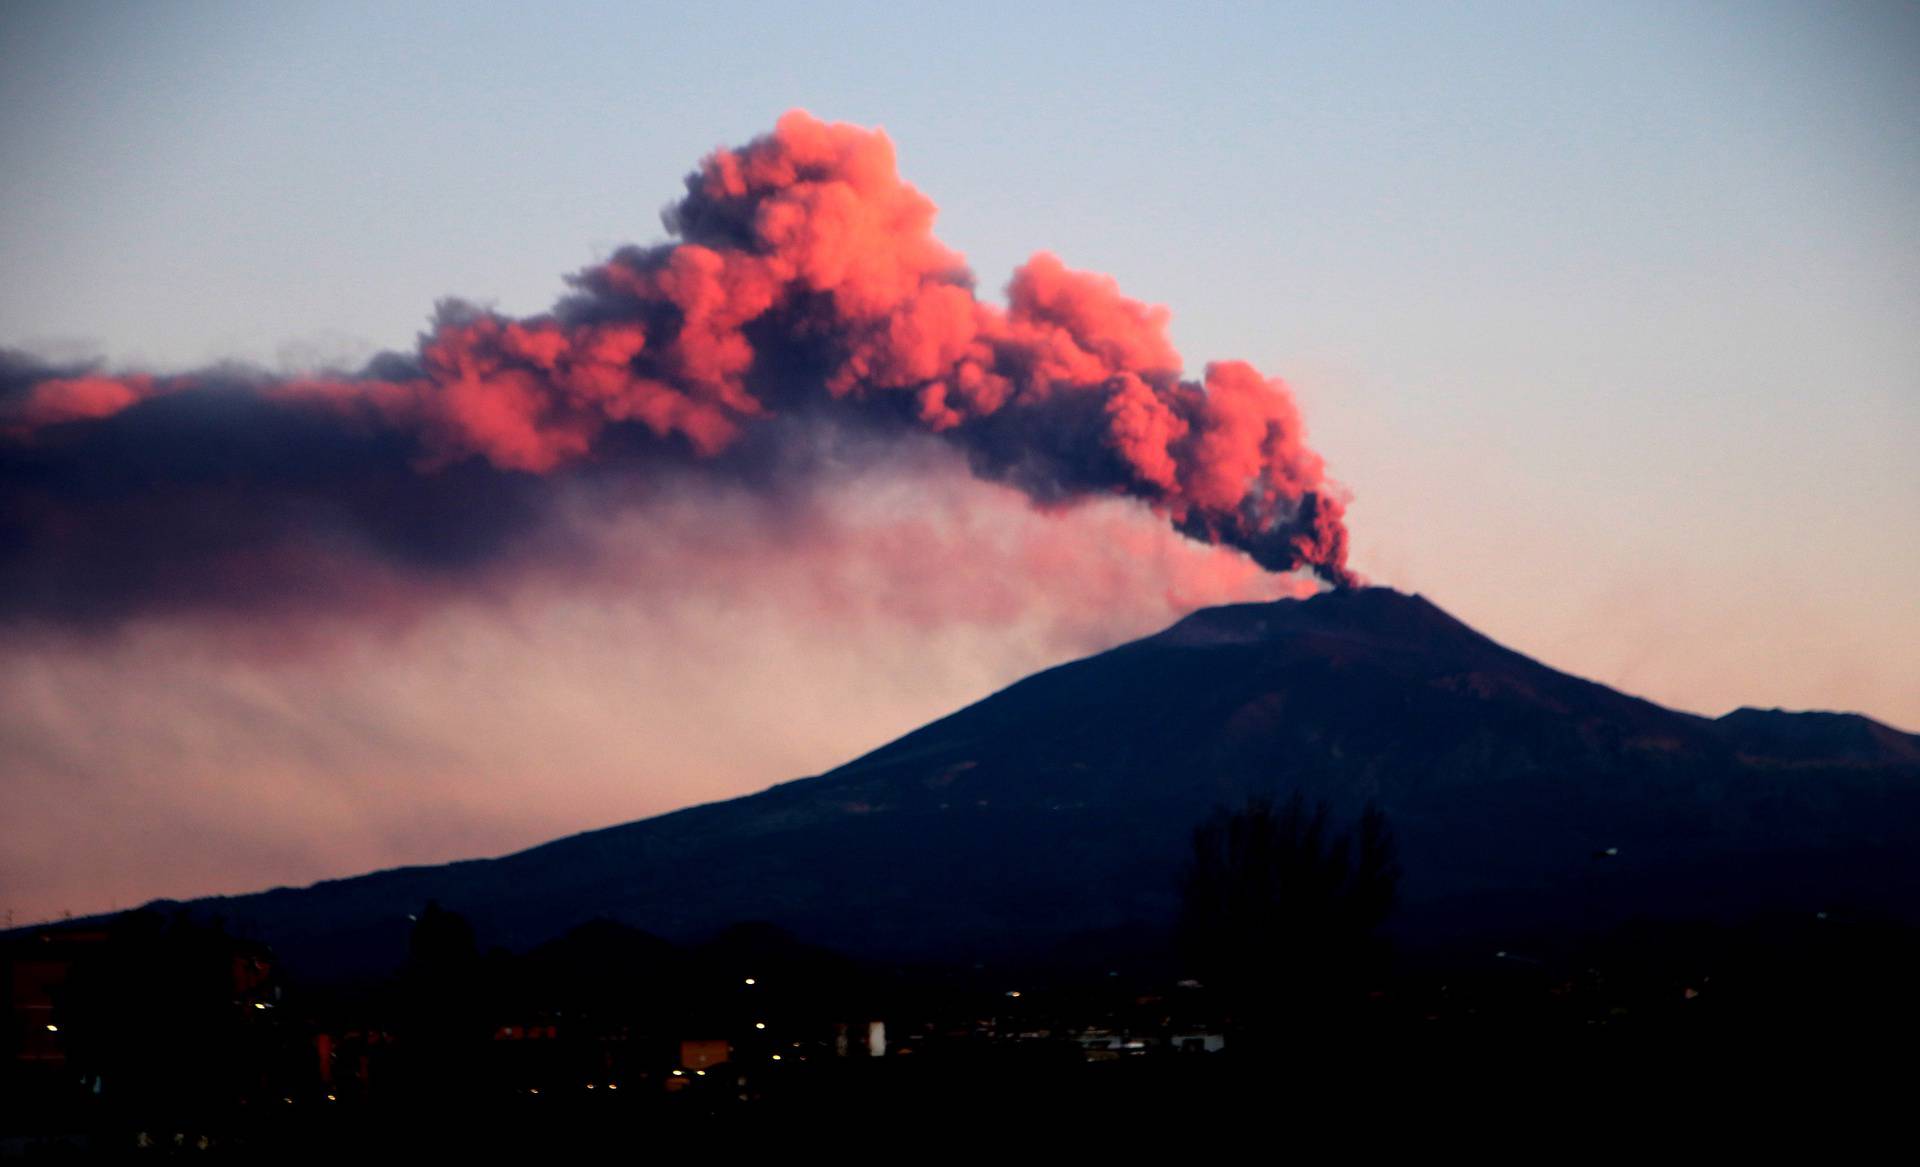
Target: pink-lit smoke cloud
point(806, 292)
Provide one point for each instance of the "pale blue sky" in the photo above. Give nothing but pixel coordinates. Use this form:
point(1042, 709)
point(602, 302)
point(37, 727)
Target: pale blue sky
point(1606, 313)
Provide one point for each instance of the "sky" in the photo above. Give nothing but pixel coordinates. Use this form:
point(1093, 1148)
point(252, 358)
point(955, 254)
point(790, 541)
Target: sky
point(1603, 316)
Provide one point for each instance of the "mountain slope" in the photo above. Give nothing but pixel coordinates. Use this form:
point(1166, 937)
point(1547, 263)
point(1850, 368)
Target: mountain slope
point(1060, 808)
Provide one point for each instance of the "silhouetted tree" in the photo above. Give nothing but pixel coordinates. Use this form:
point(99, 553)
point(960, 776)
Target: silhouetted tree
point(1280, 907)
point(442, 1025)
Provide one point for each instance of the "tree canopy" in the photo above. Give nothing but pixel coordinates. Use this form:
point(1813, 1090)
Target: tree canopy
point(1280, 905)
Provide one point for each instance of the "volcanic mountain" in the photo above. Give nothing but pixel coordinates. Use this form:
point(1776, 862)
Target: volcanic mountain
point(1055, 814)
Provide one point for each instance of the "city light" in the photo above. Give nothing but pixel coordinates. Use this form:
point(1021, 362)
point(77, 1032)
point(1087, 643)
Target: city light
point(53, 1029)
point(759, 1025)
point(750, 980)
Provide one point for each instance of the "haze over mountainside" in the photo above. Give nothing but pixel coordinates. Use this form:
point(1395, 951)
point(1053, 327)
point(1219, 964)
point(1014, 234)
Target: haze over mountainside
point(1057, 811)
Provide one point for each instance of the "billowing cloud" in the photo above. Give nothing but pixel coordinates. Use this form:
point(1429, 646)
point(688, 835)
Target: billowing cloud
point(804, 313)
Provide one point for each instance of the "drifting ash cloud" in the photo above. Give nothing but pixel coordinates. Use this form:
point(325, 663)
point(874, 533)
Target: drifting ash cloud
point(713, 644)
point(805, 314)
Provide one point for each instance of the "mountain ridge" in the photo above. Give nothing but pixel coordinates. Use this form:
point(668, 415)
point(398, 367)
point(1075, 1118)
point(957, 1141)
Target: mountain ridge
point(1061, 804)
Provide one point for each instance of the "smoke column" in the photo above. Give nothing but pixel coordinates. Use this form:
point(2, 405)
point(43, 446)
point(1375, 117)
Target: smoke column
point(804, 293)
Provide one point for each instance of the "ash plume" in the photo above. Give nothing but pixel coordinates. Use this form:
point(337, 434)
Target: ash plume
point(803, 292)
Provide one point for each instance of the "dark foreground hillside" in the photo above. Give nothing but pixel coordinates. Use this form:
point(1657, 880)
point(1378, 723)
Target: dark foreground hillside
point(174, 1038)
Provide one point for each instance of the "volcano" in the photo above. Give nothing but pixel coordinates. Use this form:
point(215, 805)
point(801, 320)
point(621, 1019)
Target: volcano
point(1054, 816)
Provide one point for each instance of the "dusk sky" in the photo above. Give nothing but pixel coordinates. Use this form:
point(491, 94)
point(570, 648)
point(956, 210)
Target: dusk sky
point(1602, 318)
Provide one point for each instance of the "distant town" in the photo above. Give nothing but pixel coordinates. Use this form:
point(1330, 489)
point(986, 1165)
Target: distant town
point(154, 1034)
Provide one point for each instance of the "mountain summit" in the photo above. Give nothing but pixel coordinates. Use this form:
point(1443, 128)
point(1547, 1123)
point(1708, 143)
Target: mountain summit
point(1060, 808)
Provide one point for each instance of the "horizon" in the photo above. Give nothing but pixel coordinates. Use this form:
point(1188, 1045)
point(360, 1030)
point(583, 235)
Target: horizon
point(1600, 320)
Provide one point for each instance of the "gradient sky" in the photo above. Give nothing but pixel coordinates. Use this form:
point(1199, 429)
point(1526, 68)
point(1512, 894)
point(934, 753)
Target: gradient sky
point(1605, 314)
